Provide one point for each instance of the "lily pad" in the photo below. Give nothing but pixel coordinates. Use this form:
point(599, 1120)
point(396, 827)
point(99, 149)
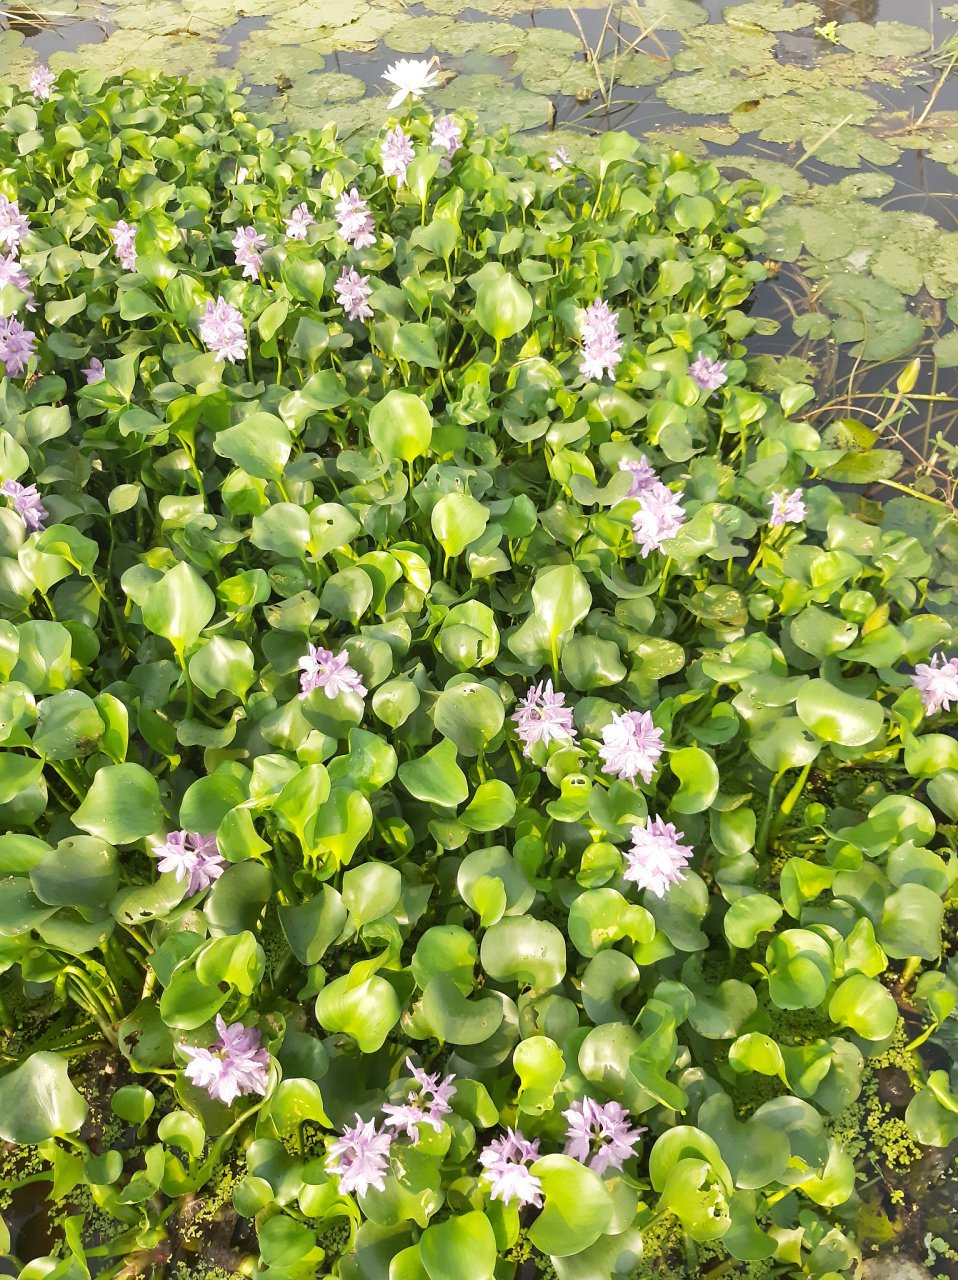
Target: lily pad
point(884, 39)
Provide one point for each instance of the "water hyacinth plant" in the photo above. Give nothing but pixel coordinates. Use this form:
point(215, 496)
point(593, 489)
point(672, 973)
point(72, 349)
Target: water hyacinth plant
point(481, 789)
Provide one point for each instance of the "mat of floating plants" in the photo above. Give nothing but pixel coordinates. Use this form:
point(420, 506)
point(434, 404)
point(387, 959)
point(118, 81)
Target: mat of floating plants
point(477, 777)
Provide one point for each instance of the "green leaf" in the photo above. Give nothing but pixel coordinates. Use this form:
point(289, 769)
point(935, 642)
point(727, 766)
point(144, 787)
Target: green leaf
point(313, 927)
point(284, 528)
point(470, 715)
point(435, 777)
point(756, 1154)
point(416, 344)
point(866, 1006)
point(610, 1257)
point(260, 444)
point(17, 774)
point(461, 1248)
point(456, 1020)
point(400, 426)
point(295, 1101)
point(133, 1103)
point(367, 1012)
point(179, 606)
point(699, 777)
point(495, 863)
point(838, 716)
point(304, 276)
point(503, 306)
point(298, 803)
point(63, 540)
point(911, 923)
point(223, 664)
point(122, 805)
point(561, 598)
point(800, 969)
point(446, 949)
point(38, 1101)
point(599, 918)
point(696, 1197)
point(180, 1129)
point(524, 950)
point(81, 871)
point(932, 1115)
point(539, 1064)
point(371, 891)
point(749, 916)
point(237, 898)
point(343, 821)
point(68, 726)
point(457, 519)
point(577, 1207)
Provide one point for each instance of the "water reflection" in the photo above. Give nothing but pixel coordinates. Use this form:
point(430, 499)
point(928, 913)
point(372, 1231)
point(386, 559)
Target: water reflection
point(850, 10)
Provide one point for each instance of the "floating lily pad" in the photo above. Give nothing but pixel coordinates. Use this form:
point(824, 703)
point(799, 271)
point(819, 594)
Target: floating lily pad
point(313, 14)
point(946, 350)
point(774, 172)
point(707, 93)
point(774, 15)
point(665, 15)
point(174, 55)
point(417, 35)
point(328, 88)
point(635, 70)
point(272, 63)
point(496, 102)
point(884, 39)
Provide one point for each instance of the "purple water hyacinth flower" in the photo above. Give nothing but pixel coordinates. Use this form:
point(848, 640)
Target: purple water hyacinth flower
point(94, 372)
point(542, 716)
point(333, 675)
point(247, 242)
point(439, 1090)
point(660, 517)
point(124, 243)
point(938, 685)
point(353, 294)
point(188, 853)
point(787, 508)
point(28, 504)
point(223, 332)
point(708, 374)
point(12, 272)
point(360, 1157)
point(16, 345)
point(298, 223)
point(13, 224)
point(446, 133)
point(42, 81)
point(410, 77)
point(599, 1136)
point(234, 1065)
point(428, 1106)
point(504, 1166)
point(397, 154)
point(600, 341)
point(560, 159)
point(356, 224)
point(644, 476)
point(631, 746)
point(656, 859)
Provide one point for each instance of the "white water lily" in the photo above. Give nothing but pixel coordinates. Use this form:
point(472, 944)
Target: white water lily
point(409, 77)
